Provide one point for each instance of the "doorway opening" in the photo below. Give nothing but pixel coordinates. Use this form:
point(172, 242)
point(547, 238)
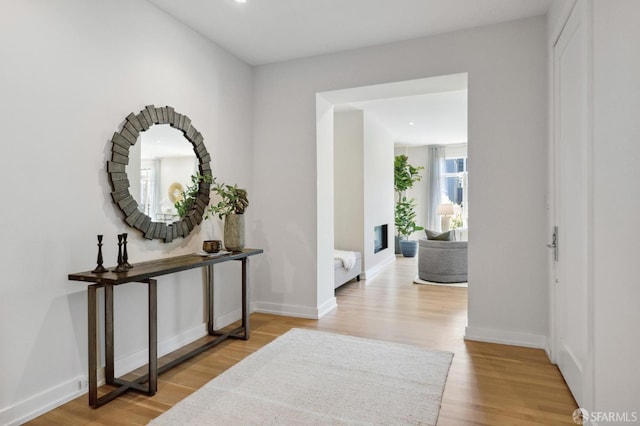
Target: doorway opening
point(359, 131)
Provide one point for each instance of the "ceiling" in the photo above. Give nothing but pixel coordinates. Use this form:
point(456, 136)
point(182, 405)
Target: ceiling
point(266, 31)
point(425, 111)
point(432, 119)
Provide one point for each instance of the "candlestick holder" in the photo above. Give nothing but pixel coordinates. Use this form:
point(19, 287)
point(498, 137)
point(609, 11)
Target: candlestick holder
point(125, 255)
point(100, 268)
point(120, 267)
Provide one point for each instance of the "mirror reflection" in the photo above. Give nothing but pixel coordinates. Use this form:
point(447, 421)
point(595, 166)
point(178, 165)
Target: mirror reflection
point(160, 168)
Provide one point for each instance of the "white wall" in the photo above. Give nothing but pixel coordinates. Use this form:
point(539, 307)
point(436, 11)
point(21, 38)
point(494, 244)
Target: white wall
point(378, 193)
point(507, 153)
point(71, 71)
point(556, 17)
point(324, 290)
point(616, 155)
point(363, 186)
point(349, 180)
point(507, 121)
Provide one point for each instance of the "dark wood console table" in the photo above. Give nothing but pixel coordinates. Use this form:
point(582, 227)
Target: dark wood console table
point(146, 272)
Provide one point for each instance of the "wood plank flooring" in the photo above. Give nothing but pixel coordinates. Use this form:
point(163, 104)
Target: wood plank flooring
point(488, 384)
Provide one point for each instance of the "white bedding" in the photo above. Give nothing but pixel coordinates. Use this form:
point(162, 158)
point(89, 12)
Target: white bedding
point(348, 258)
point(342, 275)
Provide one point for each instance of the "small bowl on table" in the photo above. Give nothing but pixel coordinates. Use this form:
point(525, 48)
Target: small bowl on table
point(212, 246)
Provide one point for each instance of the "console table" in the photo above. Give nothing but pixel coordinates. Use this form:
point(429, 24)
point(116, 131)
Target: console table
point(146, 272)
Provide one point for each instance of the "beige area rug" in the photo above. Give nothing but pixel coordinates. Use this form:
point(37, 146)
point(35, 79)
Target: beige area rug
point(423, 282)
point(315, 378)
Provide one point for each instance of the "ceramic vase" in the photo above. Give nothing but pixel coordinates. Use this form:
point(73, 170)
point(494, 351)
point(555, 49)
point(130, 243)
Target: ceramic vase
point(234, 232)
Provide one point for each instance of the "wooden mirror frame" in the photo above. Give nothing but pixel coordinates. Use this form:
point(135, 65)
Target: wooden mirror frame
point(133, 125)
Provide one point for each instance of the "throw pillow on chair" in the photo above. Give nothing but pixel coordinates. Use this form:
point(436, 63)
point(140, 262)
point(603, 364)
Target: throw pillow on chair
point(440, 236)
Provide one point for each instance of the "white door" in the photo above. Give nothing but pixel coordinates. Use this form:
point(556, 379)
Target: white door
point(571, 200)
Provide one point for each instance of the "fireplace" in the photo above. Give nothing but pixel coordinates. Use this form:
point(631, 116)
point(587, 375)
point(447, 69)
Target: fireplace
point(381, 241)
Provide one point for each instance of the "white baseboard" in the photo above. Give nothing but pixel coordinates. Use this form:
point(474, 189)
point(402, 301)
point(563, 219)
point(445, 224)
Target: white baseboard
point(504, 337)
point(49, 399)
point(297, 311)
point(141, 357)
point(327, 307)
point(372, 272)
point(547, 349)
point(55, 396)
point(226, 319)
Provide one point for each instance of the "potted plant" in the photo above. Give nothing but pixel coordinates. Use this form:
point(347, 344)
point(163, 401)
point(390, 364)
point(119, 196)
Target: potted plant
point(232, 203)
point(405, 175)
point(231, 207)
point(406, 225)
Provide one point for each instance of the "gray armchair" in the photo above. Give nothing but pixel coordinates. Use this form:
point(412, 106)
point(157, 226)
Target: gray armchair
point(442, 261)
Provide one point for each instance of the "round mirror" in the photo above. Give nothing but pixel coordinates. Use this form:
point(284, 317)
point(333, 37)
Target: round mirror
point(153, 159)
point(160, 167)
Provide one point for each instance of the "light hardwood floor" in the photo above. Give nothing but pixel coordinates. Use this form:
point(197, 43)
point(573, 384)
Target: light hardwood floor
point(488, 384)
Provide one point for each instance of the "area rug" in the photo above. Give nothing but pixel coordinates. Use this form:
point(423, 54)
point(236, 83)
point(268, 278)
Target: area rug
point(423, 282)
point(308, 377)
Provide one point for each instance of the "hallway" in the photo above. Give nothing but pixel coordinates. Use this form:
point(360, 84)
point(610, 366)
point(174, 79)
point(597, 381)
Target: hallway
point(488, 384)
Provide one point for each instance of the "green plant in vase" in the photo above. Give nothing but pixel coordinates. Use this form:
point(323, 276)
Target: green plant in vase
point(406, 218)
point(232, 204)
point(405, 222)
point(233, 200)
point(230, 207)
point(405, 175)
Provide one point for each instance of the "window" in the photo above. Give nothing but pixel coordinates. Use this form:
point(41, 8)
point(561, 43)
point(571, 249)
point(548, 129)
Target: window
point(454, 177)
point(147, 190)
point(454, 181)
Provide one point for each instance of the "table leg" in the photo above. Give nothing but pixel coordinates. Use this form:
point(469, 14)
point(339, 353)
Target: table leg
point(109, 368)
point(210, 299)
point(153, 336)
point(245, 297)
point(93, 343)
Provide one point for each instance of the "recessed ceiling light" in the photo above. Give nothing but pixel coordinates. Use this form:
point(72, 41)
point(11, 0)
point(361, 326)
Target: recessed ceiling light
point(411, 123)
point(241, 1)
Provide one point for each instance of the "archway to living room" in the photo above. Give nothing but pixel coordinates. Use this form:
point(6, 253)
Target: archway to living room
point(359, 130)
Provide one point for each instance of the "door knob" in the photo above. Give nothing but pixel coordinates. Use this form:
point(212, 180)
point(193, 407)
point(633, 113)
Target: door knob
point(554, 243)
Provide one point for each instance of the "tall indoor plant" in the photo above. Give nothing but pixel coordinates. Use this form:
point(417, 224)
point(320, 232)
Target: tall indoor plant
point(406, 225)
point(405, 175)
